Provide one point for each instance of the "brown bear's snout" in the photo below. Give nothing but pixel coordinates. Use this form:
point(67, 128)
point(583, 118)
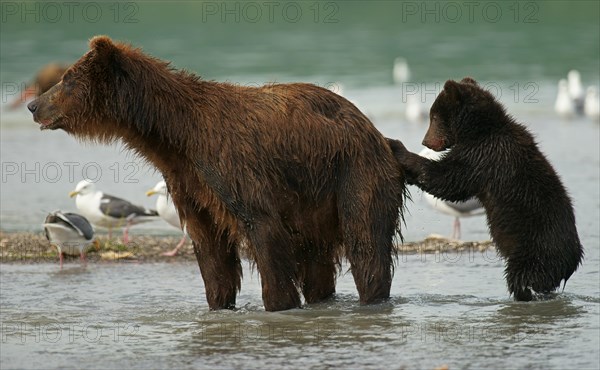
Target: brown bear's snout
point(32, 106)
point(44, 112)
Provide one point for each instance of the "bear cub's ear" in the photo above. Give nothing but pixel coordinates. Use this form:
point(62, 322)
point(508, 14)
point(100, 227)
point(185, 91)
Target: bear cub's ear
point(453, 90)
point(469, 80)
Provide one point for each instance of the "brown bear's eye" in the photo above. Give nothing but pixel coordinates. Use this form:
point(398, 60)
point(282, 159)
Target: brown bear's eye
point(68, 77)
point(68, 84)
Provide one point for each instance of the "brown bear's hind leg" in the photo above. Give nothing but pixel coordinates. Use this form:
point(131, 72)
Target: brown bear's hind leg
point(371, 264)
point(368, 234)
point(372, 276)
point(318, 277)
point(276, 263)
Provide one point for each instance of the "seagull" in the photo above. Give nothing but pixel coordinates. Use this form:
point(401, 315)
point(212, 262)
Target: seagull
point(592, 103)
point(167, 211)
point(70, 233)
point(576, 92)
point(414, 111)
point(564, 105)
point(401, 70)
point(470, 207)
point(107, 211)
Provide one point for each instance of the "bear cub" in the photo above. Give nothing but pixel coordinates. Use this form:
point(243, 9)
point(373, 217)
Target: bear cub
point(529, 213)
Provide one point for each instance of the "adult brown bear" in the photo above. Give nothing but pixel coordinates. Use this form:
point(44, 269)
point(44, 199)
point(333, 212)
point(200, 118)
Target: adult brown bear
point(293, 170)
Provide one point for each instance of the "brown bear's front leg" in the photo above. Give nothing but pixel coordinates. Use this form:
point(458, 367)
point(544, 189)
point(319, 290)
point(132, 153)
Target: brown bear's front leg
point(218, 261)
point(221, 271)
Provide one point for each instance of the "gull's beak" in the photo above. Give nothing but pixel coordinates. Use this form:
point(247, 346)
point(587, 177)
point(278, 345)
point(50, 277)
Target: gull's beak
point(73, 193)
point(150, 192)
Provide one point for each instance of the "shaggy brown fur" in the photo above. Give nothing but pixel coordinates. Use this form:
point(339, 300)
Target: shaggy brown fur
point(529, 213)
point(294, 170)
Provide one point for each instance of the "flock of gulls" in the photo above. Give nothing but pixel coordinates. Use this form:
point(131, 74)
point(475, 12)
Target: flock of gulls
point(73, 233)
point(572, 100)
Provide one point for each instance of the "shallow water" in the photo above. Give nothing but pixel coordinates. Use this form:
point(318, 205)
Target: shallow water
point(445, 308)
point(452, 310)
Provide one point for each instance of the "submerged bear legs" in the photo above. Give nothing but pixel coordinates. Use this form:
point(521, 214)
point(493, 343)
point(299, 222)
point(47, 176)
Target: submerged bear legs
point(221, 271)
point(370, 255)
point(529, 278)
point(372, 276)
point(368, 210)
point(276, 264)
point(218, 260)
point(524, 282)
point(318, 275)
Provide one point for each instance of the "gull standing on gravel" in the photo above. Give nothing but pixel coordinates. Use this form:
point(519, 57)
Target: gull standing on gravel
point(107, 211)
point(70, 233)
point(167, 211)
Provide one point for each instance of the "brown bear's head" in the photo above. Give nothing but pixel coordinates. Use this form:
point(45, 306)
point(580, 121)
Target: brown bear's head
point(461, 111)
point(86, 100)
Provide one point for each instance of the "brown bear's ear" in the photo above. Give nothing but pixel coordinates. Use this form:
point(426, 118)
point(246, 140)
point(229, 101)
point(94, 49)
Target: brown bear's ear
point(102, 45)
point(106, 52)
point(469, 80)
point(452, 89)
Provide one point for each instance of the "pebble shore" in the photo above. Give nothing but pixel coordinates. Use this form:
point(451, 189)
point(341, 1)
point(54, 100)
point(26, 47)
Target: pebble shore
point(22, 247)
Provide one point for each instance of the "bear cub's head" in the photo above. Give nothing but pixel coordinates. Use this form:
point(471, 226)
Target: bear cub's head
point(462, 111)
point(85, 95)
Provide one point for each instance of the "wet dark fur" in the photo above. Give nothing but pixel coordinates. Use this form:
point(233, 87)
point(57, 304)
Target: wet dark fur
point(529, 213)
point(293, 170)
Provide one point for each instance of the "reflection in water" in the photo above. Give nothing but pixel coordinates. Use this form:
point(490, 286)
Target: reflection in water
point(539, 316)
point(540, 312)
point(70, 271)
